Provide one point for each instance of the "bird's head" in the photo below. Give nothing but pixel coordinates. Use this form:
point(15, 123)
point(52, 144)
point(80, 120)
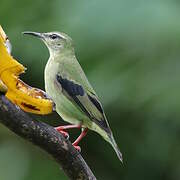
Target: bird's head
point(55, 41)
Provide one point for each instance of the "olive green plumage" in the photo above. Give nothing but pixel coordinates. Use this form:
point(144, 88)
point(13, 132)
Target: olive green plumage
point(65, 82)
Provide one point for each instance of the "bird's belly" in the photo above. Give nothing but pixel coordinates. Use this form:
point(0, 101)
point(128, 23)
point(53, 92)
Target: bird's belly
point(64, 107)
point(68, 111)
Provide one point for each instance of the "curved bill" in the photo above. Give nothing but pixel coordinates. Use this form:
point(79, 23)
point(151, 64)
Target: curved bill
point(36, 34)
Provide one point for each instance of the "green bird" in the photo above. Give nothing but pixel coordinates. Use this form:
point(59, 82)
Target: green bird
point(66, 83)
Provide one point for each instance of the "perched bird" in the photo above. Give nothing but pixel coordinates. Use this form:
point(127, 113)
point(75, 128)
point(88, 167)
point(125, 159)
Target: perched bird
point(66, 83)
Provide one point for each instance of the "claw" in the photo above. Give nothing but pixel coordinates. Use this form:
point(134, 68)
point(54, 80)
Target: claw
point(64, 133)
point(62, 129)
point(78, 148)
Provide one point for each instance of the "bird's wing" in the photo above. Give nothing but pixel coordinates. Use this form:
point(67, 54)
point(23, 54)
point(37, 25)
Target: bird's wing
point(78, 90)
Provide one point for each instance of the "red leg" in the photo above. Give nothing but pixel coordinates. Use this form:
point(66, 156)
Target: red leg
point(73, 126)
point(62, 129)
point(76, 142)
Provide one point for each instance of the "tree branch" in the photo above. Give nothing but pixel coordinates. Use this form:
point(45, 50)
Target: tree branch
point(47, 138)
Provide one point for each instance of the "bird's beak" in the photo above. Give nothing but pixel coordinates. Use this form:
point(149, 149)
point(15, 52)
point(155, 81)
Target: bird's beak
point(36, 34)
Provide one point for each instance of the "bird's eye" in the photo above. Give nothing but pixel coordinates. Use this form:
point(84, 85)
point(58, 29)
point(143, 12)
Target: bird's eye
point(53, 36)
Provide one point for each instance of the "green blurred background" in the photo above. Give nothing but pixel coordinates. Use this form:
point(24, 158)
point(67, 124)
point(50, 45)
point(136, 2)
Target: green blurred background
point(130, 52)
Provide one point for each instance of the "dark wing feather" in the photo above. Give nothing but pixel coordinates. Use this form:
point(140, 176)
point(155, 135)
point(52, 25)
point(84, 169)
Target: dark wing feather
point(77, 93)
point(96, 103)
point(71, 88)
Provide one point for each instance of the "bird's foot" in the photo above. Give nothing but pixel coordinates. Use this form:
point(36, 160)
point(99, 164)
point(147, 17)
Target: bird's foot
point(62, 129)
point(78, 148)
point(64, 133)
point(76, 142)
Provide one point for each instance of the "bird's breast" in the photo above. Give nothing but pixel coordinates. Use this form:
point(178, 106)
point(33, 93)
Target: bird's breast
point(50, 73)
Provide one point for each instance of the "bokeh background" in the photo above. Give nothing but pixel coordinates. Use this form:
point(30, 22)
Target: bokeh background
point(130, 51)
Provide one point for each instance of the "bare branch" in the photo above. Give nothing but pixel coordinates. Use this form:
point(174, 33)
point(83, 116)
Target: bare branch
point(47, 138)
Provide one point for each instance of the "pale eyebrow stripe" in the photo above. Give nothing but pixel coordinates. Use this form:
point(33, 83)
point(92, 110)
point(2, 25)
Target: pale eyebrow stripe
point(61, 36)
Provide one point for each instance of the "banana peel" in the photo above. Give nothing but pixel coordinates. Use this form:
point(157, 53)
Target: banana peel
point(29, 99)
point(3, 87)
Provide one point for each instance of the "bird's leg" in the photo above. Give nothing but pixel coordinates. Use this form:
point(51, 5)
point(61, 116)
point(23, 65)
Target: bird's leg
point(62, 129)
point(76, 142)
point(72, 126)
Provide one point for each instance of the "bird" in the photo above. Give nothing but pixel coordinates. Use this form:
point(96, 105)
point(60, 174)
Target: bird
point(66, 83)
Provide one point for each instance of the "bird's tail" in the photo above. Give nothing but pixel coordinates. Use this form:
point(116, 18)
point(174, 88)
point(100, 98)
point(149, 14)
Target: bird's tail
point(115, 147)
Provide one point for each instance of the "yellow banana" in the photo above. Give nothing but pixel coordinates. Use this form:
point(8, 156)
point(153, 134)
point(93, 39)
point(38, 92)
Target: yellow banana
point(29, 99)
